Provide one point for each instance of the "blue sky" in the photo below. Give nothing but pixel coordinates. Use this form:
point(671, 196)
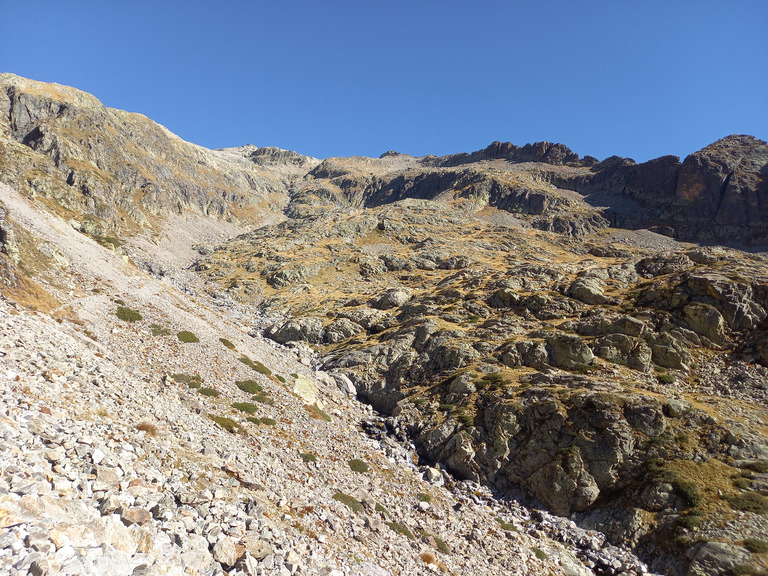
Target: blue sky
point(338, 78)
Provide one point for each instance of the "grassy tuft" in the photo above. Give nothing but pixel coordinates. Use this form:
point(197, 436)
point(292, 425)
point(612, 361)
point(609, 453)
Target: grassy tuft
point(400, 529)
point(256, 365)
point(191, 380)
point(540, 554)
point(210, 392)
point(158, 330)
point(227, 343)
point(187, 337)
point(423, 497)
point(749, 502)
point(126, 314)
point(147, 427)
point(756, 546)
point(268, 421)
point(250, 386)
point(227, 423)
point(358, 466)
point(317, 412)
point(349, 502)
point(246, 407)
point(308, 457)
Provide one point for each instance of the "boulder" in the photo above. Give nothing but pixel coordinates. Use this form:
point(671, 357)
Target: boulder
point(588, 290)
point(392, 299)
point(341, 329)
point(306, 329)
point(568, 351)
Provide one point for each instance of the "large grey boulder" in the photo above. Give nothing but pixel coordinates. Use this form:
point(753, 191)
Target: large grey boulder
point(589, 290)
point(392, 299)
point(568, 351)
point(301, 329)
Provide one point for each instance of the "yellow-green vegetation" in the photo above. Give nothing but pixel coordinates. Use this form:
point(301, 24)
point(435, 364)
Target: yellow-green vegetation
point(540, 554)
point(210, 392)
point(246, 407)
point(508, 526)
point(249, 386)
point(349, 502)
point(755, 545)
point(191, 380)
point(382, 510)
point(749, 502)
point(317, 412)
point(256, 365)
point(107, 241)
point(421, 497)
point(159, 330)
point(227, 423)
point(358, 466)
point(308, 457)
point(268, 421)
point(280, 378)
point(400, 529)
point(119, 302)
point(126, 314)
point(187, 337)
point(227, 343)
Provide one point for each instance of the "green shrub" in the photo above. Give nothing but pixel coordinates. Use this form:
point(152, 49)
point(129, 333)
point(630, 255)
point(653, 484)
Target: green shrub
point(126, 314)
point(383, 511)
point(227, 423)
point(281, 379)
point(158, 330)
point(690, 521)
point(210, 392)
point(749, 502)
point(268, 421)
point(756, 546)
point(442, 547)
point(742, 483)
point(256, 365)
point(467, 419)
point(249, 386)
point(688, 491)
point(308, 457)
point(263, 399)
point(665, 378)
point(246, 407)
point(349, 502)
point(358, 466)
point(227, 343)
point(317, 412)
point(191, 380)
point(400, 529)
point(508, 526)
point(187, 337)
point(423, 497)
point(540, 554)
point(761, 466)
point(119, 302)
point(254, 420)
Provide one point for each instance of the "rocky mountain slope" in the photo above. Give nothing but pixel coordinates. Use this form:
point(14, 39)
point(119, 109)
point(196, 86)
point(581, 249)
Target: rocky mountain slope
point(178, 398)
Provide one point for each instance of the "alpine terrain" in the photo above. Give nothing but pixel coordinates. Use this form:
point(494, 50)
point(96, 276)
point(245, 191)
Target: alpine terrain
point(254, 362)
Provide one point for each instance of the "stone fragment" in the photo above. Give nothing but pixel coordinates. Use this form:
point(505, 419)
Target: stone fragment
point(135, 515)
point(225, 551)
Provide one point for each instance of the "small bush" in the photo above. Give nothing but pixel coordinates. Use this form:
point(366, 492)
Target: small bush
point(249, 386)
point(688, 491)
point(158, 330)
point(262, 399)
point(383, 511)
point(191, 380)
point(690, 521)
point(147, 427)
point(756, 546)
point(256, 365)
point(308, 457)
point(508, 526)
point(423, 497)
point(268, 421)
point(742, 483)
point(126, 314)
point(442, 547)
point(227, 423)
point(227, 343)
point(281, 379)
point(749, 502)
point(358, 466)
point(254, 420)
point(210, 392)
point(317, 412)
point(665, 378)
point(119, 302)
point(349, 502)
point(187, 337)
point(540, 554)
point(760, 466)
point(467, 419)
point(400, 529)
point(246, 407)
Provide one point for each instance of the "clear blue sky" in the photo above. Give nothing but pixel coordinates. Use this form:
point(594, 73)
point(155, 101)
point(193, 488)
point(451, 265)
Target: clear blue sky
point(338, 78)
